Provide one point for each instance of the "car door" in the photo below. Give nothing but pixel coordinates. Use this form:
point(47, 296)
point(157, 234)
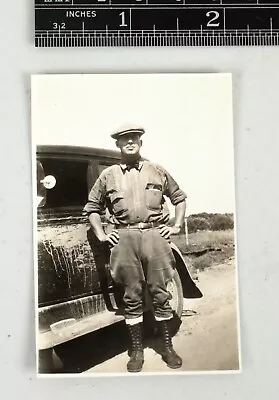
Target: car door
point(74, 283)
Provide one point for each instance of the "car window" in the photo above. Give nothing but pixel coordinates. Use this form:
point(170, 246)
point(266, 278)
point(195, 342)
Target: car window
point(72, 178)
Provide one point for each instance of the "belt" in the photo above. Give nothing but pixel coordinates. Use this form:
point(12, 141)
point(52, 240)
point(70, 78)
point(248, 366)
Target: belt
point(139, 225)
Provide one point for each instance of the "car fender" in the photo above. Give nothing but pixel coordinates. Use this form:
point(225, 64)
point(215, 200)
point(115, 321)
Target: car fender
point(190, 290)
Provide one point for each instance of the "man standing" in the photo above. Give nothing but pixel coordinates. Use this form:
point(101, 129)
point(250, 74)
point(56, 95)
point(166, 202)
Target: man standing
point(140, 251)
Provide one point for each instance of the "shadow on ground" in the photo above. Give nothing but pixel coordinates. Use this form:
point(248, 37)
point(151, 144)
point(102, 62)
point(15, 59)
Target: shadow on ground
point(83, 353)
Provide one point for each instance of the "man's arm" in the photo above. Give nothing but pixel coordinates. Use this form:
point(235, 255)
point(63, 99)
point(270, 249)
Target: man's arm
point(180, 210)
point(96, 204)
point(96, 223)
point(177, 198)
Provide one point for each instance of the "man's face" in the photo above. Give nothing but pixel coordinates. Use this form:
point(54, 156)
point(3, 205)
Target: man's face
point(129, 144)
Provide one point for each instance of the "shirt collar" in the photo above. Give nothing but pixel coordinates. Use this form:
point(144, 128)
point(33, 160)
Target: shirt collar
point(125, 166)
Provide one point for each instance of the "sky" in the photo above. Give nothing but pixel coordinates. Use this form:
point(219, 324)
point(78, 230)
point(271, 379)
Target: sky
point(188, 121)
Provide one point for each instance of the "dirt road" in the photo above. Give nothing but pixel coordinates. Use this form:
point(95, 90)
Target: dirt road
point(207, 340)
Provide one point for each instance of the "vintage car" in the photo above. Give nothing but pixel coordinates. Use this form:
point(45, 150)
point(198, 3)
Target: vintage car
point(76, 294)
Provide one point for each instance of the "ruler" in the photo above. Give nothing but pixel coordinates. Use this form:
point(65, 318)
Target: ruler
point(94, 23)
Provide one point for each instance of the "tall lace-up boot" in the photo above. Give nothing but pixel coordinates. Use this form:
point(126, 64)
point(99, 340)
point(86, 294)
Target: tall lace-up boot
point(168, 355)
point(136, 352)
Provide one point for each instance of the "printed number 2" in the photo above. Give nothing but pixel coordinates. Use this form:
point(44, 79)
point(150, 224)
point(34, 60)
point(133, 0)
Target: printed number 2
point(213, 15)
point(61, 26)
point(122, 15)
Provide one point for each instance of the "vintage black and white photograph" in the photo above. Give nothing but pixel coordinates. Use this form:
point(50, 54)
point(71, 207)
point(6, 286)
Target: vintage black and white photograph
point(134, 224)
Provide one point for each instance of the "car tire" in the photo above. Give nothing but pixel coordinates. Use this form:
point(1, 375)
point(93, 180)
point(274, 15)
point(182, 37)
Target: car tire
point(176, 300)
point(175, 290)
point(49, 361)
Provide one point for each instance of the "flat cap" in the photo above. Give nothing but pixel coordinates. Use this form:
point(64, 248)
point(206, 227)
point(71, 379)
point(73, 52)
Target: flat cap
point(124, 129)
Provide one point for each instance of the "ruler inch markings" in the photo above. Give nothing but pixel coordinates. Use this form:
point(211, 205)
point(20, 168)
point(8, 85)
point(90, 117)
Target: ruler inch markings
point(238, 24)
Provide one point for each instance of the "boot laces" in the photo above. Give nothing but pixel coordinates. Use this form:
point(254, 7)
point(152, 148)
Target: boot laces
point(136, 338)
point(166, 336)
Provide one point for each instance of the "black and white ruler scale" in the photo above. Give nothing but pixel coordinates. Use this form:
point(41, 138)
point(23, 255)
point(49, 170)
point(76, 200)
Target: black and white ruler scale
point(90, 23)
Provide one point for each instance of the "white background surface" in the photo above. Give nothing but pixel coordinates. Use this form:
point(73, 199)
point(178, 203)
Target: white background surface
point(256, 87)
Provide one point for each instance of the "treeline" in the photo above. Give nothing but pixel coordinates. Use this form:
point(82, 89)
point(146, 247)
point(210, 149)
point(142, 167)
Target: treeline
point(208, 222)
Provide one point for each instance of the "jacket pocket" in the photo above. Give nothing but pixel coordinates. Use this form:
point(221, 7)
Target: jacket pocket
point(153, 197)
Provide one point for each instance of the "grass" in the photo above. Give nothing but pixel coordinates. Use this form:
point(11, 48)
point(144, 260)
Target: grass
point(218, 247)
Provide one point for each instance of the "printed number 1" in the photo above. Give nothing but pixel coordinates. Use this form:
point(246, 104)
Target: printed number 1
point(122, 15)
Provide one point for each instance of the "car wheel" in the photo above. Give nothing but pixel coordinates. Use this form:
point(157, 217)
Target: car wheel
point(49, 361)
point(175, 290)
